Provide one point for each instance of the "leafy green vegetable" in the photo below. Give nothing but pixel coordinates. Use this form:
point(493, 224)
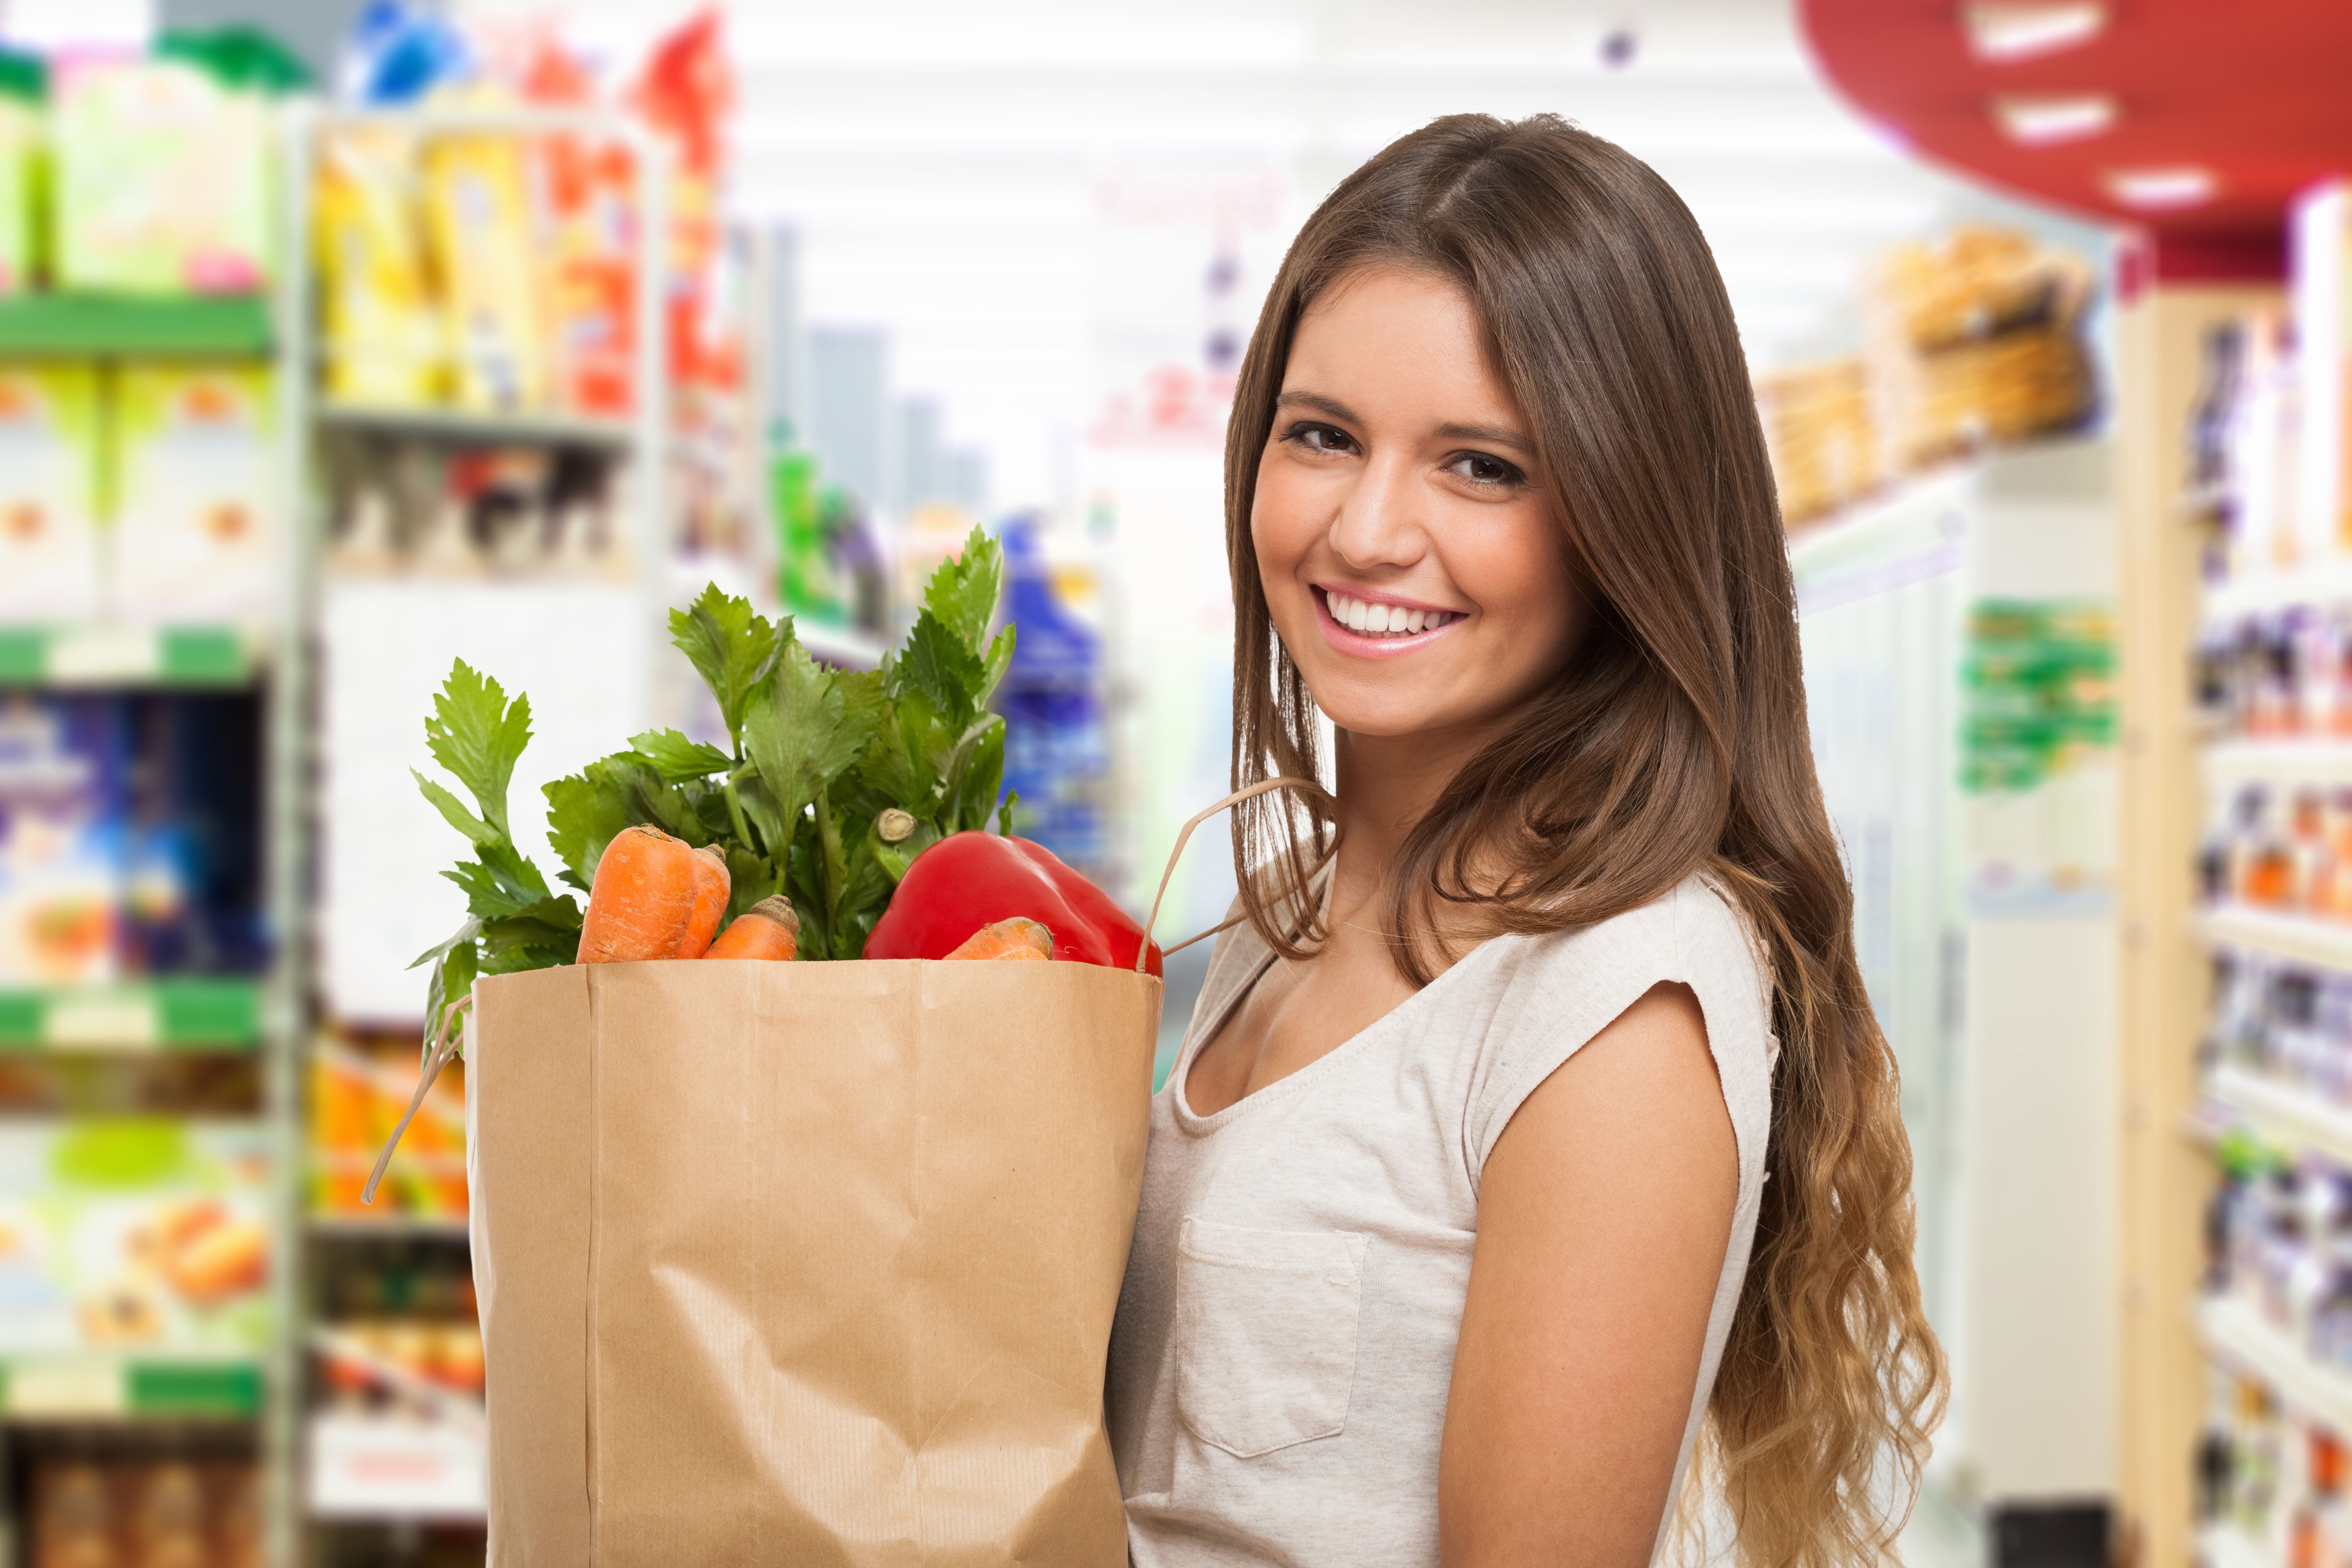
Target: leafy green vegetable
point(512, 920)
point(818, 755)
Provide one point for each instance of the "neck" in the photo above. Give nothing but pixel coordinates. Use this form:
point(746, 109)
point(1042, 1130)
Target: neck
point(1387, 784)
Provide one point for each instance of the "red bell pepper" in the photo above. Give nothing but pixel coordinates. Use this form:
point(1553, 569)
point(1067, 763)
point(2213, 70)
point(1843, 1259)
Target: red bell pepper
point(970, 880)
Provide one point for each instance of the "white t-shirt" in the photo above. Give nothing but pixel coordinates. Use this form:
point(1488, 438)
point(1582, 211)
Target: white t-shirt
point(1285, 1342)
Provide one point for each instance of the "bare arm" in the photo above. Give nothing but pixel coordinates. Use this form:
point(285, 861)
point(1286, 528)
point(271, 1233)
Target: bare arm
point(1604, 1215)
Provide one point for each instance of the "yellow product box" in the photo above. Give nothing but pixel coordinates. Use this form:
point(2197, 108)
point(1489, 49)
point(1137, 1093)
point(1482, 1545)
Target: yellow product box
point(50, 421)
point(194, 494)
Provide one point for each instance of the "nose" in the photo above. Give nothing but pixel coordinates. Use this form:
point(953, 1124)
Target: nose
point(1381, 525)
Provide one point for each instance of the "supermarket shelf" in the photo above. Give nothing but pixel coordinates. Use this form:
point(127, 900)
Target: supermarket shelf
point(82, 1388)
point(2237, 1333)
point(462, 425)
point(108, 326)
point(105, 655)
point(191, 1015)
point(2284, 1111)
point(341, 1226)
point(2256, 593)
point(2327, 945)
point(2315, 760)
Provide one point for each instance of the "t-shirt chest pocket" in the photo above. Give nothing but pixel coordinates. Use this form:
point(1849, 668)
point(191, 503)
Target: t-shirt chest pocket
point(1266, 1333)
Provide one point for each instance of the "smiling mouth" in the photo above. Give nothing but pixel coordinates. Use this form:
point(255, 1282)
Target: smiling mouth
point(1387, 623)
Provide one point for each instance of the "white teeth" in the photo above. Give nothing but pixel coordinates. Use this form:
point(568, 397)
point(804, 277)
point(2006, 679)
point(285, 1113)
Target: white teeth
point(1385, 620)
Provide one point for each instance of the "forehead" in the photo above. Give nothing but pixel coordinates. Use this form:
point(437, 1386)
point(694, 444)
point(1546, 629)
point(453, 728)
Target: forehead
point(1414, 335)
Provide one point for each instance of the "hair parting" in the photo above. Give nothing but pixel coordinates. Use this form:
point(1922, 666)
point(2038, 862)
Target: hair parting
point(1674, 743)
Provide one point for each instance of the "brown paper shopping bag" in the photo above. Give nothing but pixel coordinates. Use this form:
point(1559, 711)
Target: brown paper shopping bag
point(805, 1263)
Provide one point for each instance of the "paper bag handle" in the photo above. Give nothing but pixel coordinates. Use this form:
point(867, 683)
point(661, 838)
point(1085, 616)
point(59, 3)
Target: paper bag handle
point(447, 1042)
point(1184, 832)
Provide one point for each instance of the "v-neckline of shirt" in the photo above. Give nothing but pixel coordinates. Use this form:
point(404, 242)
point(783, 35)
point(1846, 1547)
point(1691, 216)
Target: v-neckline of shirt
point(1179, 1075)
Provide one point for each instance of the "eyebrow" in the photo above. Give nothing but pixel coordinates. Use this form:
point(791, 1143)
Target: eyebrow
point(1500, 436)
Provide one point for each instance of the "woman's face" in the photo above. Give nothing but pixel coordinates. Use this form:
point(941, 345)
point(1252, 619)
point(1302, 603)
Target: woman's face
point(1412, 565)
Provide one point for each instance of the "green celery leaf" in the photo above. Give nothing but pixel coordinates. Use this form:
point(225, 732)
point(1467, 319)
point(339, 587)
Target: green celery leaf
point(500, 883)
point(962, 593)
point(974, 776)
point(453, 811)
point(478, 735)
point(464, 935)
point(803, 734)
point(732, 647)
point(751, 878)
point(677, 759)
point(765, 817)
point(940, 665)
point(454, 963)
point(585, 812)
point(551, 926)
point(992, 668)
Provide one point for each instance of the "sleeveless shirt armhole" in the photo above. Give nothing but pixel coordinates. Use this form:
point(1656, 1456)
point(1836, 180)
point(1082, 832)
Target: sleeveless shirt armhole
point(1584, 981)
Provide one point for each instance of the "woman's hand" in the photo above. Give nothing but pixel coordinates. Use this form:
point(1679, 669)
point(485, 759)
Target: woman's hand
point(1604, 1216)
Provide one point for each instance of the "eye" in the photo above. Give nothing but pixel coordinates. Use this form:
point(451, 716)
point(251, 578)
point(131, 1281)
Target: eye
point(1320, 437)
point(1480, 469)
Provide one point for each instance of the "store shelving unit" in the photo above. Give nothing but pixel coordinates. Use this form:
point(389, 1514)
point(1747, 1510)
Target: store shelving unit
point(249, 1016)
point(2180, 768)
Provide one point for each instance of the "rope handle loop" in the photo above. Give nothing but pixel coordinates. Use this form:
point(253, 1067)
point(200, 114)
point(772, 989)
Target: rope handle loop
point(1184, 834)
point(449, 1041)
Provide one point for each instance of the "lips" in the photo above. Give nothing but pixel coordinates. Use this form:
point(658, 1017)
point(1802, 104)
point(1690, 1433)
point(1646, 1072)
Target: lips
point(1370, 627)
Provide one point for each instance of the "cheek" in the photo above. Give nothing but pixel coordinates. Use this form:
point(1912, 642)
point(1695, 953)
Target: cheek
point(1523, 577)
point(1283, 527)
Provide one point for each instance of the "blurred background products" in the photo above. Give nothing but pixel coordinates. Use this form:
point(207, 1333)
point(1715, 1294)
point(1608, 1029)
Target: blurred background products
point(339, 339)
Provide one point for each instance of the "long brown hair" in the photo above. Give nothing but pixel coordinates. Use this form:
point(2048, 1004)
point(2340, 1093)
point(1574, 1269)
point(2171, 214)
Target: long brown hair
point(1674, 742)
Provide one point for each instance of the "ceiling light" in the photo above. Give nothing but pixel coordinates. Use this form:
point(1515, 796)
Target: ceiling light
point(2003, 31)
point(2155, 190)
point(2046, 122)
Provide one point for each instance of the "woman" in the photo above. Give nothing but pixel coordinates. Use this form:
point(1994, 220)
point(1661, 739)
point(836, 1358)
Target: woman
point(1546, 1138)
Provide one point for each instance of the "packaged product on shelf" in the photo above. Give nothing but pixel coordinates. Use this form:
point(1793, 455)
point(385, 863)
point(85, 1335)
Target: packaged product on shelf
point(195, 504)
point(50, 439)
point(357, 1092)
point(590, 185)
point(479, 213)
point(1979, 341)
point(24, 150)
point(62, 783)
point(176, 1513)
point(384, 335)
point(1823, 436)
point(163, 180)
point(1056, 738)
point(684, 92)
point(134, 1234)
point(430, 509)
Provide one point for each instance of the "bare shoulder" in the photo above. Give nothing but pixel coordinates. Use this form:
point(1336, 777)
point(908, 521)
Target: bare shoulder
point(1603, 1223)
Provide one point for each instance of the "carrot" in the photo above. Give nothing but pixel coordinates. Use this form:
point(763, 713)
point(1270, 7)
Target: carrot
point(1018, 937)
point(712, 886)
point(641, 905)
point(768, 930)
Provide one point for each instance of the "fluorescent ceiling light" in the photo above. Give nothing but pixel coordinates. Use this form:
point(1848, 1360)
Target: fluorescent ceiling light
point(2157, 189)
point(2046, 122)
point(2000, 30)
